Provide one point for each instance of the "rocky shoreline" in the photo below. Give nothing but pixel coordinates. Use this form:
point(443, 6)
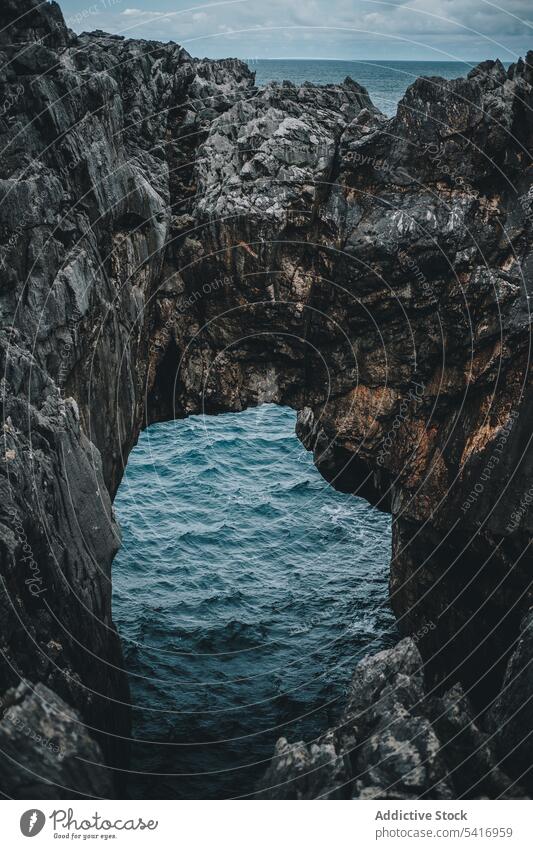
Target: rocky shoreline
point(174, 239)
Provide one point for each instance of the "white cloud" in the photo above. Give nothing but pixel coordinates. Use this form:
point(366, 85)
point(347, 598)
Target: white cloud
point(463, 29)
point(143, 14)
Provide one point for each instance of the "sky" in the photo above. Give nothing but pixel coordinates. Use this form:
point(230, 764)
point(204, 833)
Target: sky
point(436, 30)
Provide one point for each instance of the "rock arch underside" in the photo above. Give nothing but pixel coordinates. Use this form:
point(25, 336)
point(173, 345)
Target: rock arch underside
point(174, 239)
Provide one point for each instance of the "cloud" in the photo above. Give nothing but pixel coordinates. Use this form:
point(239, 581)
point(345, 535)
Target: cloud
point(139, 13)
point(463, 29)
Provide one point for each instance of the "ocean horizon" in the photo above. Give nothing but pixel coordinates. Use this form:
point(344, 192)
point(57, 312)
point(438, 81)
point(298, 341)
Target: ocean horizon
point(386, 82)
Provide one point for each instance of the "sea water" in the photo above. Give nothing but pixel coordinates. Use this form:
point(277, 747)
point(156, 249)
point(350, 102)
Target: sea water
point(245, 592)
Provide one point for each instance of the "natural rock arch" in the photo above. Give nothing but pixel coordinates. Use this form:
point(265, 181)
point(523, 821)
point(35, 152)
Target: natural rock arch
point(393, 254)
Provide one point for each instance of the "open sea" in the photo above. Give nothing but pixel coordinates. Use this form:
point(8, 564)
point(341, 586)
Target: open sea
point(246, 589)
point(386, 82)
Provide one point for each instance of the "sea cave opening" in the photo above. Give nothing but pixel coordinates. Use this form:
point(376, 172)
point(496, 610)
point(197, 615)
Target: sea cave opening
point(245, 592)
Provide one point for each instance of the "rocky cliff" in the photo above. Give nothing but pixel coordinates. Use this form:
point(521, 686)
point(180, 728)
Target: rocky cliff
point(174, 239)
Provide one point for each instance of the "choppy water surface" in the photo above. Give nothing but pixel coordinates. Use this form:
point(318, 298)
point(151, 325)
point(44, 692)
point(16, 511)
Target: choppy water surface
point(245, 591)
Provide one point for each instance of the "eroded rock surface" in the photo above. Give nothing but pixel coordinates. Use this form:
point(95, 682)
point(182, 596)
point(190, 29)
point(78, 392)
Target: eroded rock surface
point(394, 741)
point(59, 758)
point(174, 239)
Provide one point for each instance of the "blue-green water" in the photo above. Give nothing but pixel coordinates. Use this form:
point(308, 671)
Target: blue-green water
point(245, 591)
point(386, 81)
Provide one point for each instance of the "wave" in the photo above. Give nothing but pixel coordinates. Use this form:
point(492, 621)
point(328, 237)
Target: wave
point(244, 592)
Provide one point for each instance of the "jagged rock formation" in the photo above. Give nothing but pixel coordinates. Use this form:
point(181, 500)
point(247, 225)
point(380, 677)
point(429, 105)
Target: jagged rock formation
point(58, 760)
point(173, 239)
point(396, 741)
